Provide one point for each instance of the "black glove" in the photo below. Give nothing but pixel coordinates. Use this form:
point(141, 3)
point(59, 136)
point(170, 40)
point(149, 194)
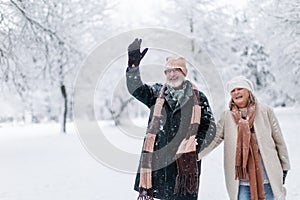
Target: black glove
point(134, 54)
point(284, 175)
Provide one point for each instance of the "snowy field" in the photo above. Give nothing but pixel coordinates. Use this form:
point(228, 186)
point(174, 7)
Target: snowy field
point(39, 163)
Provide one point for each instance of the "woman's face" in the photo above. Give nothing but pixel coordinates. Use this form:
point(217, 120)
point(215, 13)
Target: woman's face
point(240, 97)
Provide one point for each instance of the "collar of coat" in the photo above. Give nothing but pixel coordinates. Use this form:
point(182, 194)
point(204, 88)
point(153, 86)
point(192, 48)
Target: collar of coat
point(188, 93)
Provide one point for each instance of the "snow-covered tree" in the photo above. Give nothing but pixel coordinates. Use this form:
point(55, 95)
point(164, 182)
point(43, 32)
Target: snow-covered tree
point(42, 45)
point(44, 42)
point(277, 26)
point(259, 42)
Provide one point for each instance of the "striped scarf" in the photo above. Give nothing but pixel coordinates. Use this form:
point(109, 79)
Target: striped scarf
point(186, 157)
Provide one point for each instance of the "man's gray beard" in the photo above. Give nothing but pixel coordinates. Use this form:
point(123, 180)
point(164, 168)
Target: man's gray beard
point(176, 84)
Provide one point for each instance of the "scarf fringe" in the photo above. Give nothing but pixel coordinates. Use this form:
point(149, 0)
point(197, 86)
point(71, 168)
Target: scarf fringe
point(145, 194)
point(186, 183)
point(241, 173)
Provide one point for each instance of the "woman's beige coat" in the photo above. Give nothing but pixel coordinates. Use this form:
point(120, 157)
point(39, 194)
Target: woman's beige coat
point(271, 145)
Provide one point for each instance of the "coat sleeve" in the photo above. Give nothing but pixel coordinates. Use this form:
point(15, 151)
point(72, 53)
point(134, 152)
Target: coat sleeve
point(207, 128)
point(145, 93)
point(218, 139)
point(279, 141)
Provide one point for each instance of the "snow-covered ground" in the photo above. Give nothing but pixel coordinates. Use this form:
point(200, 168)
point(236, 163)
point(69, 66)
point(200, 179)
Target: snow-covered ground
point(39, 163)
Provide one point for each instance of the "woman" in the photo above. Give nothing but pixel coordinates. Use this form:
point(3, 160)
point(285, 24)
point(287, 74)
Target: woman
point(255, 155)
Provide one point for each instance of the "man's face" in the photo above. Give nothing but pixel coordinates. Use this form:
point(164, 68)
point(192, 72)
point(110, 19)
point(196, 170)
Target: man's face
point(174, 77)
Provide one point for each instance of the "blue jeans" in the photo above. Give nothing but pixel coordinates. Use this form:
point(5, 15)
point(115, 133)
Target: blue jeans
point(244, 192)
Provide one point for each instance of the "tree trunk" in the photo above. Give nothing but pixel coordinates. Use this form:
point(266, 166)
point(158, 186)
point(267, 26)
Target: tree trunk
point(65, 108)
point(192, 34)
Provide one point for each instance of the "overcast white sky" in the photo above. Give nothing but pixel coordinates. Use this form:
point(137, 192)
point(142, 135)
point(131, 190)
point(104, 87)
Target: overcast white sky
point(136, 11)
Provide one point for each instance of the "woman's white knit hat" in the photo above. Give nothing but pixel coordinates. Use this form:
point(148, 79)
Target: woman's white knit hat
point(240, 82)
